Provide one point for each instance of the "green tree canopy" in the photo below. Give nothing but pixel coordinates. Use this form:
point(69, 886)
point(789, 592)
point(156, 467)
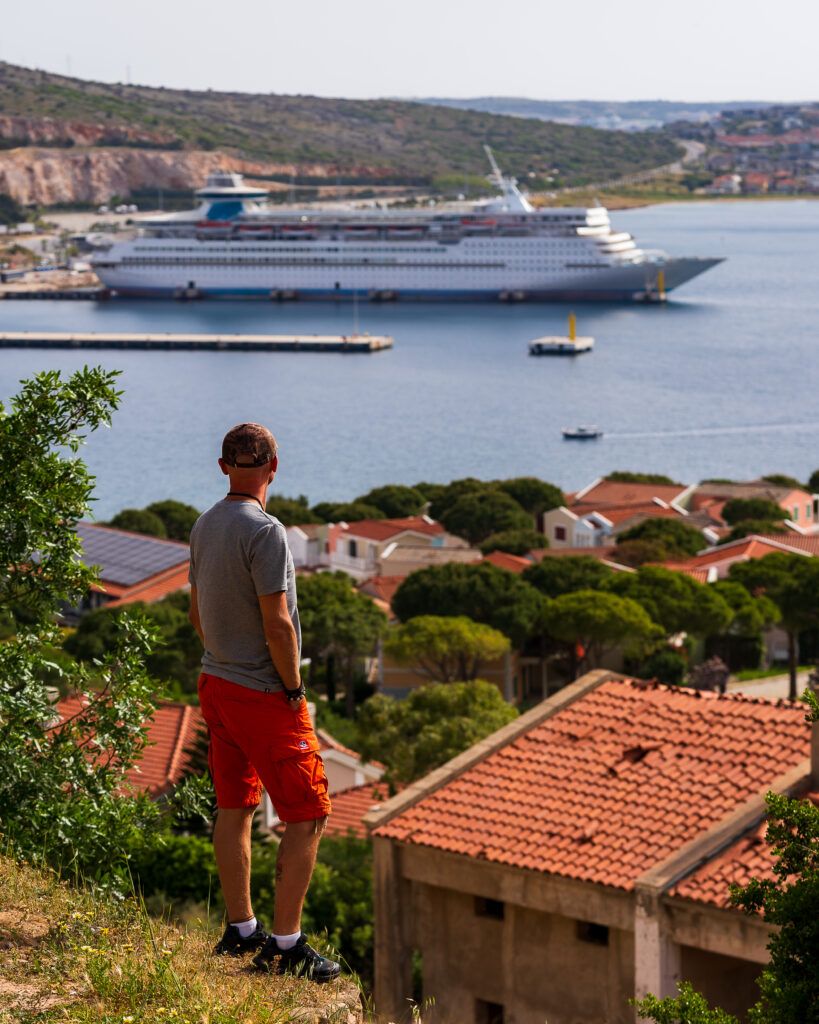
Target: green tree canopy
point(623, 476)
point(177, 517)
point(813, 482)
point(433, 725)
point(640, 552)
point(598, 622)
point(782, 480)
point(792, 583)
point(533, 495)
point(448, 494)
point(751, 614)
point(395, 500)
point(678, 539)
point(477, 515)
point(482, 592)
point(673, 600)
point(177, 652)
point(338, 625)
point(292, 511)
point(446, 648)
point(348, 512)
point(738, 510)
point(556, 576)
point(516, 542)
point(56, 801)
point(747, 527)
point(139, 520)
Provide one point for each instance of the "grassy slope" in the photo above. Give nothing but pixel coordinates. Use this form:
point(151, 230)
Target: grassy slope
point(408, 140)
point(76, 959)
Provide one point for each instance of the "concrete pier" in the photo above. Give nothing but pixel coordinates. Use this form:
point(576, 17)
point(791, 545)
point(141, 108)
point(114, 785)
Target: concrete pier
point(353, 343)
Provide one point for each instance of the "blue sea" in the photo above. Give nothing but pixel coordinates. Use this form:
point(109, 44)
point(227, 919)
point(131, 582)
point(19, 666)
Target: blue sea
point(721, 381)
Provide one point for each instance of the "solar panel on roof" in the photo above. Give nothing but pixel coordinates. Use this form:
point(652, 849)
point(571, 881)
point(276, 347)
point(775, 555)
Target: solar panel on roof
point(128, 558)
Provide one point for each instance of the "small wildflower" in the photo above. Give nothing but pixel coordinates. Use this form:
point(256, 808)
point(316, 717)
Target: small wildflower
point(128, 1020)
point(86, 949)
point(166, 952)
point(104, 931)
point(76, 915)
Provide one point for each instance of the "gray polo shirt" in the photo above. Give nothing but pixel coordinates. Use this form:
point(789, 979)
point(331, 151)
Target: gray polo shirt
point(239, 552)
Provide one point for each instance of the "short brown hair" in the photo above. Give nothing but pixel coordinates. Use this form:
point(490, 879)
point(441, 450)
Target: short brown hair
point(248, 446)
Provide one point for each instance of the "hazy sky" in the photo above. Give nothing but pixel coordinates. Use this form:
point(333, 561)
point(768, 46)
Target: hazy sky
point(591, 49)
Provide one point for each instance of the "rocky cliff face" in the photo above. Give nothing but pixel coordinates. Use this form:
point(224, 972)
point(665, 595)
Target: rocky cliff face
point(47, 131)
point(35, 176)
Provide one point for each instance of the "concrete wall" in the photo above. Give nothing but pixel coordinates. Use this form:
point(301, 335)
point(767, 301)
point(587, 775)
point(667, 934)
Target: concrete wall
point(725, 981)
point(532, 963)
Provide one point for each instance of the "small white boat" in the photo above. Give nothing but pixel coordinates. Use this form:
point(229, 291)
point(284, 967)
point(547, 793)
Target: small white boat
point(583, 433)
point(555, 345)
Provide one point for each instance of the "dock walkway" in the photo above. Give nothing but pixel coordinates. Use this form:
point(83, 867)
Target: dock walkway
point(352, 343)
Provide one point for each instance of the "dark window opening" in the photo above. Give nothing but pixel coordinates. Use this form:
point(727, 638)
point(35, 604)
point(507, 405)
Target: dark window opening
point(489, 908)
point(596, 934)
point(488, 1013)
point(560, 533)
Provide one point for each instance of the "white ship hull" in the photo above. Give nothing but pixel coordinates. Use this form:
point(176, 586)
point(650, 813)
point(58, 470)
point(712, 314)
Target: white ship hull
point(234, 246)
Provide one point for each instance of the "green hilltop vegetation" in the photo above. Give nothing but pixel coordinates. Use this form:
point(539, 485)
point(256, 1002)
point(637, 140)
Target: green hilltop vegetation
point(378, 140)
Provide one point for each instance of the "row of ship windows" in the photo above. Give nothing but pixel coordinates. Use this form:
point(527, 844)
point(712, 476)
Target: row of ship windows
point(238, 264)
point(381, 249)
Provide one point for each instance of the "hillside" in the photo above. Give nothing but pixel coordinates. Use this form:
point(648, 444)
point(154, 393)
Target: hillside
point(88, 959)
point(636, 114)
point(310, 138)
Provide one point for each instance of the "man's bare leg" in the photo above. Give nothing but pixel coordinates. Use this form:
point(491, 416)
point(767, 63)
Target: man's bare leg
point(294, 869)
point(231, 845)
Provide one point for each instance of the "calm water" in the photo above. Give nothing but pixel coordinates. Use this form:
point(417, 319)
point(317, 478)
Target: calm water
point(723, 381)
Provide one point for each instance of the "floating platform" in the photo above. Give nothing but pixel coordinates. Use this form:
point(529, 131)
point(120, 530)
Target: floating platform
point(352, 343)
point(554, 345)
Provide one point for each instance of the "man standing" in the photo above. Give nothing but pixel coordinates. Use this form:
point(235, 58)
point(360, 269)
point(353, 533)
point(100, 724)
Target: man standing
point(243, 606)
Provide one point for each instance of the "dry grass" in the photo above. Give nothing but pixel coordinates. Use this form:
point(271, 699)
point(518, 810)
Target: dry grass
point(67, 956)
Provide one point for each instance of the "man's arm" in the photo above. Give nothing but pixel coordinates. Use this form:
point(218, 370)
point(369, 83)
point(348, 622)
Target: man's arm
point(281, 638)
point(193, 615)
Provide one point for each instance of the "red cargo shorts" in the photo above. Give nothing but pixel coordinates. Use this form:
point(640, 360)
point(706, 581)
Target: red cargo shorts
point(259, 739)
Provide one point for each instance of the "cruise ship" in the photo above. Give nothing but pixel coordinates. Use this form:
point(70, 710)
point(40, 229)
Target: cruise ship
point(235, 244)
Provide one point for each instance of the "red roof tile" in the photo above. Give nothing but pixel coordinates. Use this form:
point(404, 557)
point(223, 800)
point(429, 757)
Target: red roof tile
point(382, 588)
point(747, 857)
point(512, 563)
point(172, 735)
point(350, 806)
point(384, 529)
point(630, 766)
point(612, 492)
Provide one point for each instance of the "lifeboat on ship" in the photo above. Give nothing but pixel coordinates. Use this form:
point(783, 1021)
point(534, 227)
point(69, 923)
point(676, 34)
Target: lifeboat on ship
point(405, 231)
point(307, 231)
point(360, 232)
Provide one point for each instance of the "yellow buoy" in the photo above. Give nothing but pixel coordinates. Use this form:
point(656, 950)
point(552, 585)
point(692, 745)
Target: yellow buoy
point(572, 327)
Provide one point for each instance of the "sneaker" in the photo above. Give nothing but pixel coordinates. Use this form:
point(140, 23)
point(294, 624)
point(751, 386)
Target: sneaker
point(301, 960)
point(232, 943)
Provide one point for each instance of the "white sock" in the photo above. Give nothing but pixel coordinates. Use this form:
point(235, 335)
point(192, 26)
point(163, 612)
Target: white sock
point(287, 941)
point(245, 928)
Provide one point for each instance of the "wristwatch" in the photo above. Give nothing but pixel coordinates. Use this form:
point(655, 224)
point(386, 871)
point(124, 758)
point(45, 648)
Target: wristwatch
point(295, 695)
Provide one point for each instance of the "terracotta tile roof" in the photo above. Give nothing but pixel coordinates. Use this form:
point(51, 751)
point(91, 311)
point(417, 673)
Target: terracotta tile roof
point(611, 784)
point(350, 806)
point(385, 529)
point(741, 550)
point(172, 734)
point(382, 589)
point(512, 563)
point(153, 589)
point(611, 492)
point(799, 542)
point(747, 857)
